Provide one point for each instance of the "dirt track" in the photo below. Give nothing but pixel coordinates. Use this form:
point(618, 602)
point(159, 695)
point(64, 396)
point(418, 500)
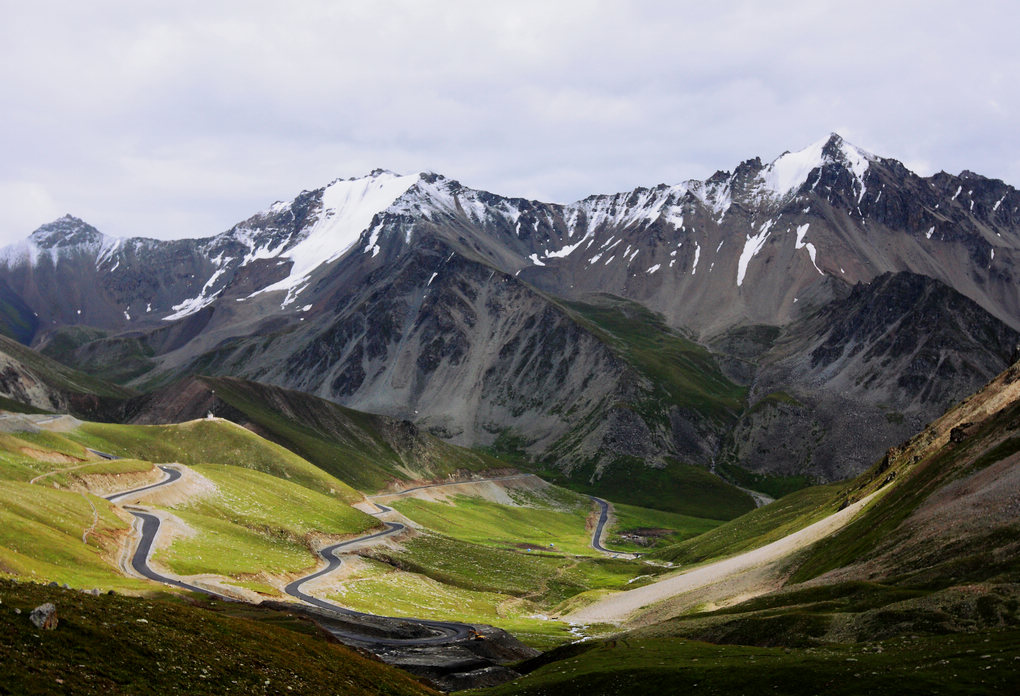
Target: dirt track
point(617, 607)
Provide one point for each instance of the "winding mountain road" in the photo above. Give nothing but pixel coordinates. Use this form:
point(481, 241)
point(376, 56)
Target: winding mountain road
point(150, 528)
point(596, 537)
point(442, 632)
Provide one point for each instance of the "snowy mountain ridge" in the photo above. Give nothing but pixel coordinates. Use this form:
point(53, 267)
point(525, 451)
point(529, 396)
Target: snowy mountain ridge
point(464, 310)
point(732, 223)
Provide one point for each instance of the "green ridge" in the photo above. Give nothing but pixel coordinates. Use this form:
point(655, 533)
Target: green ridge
point(348, 444)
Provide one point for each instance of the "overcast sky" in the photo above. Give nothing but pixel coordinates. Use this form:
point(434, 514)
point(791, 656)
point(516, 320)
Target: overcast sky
point(180, 119)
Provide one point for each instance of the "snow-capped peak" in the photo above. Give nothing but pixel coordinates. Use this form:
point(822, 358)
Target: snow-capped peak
point(65, 234)
point(67, 231)
point(348, 207)
point(791, 169)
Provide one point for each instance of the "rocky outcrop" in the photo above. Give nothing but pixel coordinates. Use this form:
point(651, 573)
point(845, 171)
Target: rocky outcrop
point(864, 371)
point(44, 617)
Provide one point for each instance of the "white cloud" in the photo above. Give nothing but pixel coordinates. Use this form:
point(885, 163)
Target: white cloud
point(189, 118)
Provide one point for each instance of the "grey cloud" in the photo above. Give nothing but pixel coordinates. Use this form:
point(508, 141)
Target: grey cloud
point(185, 120)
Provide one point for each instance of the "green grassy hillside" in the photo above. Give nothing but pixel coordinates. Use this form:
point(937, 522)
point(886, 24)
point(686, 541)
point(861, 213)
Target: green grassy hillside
point(365, 450)
point(956, 664)
point(41, 532)
point(678, 488)
point(257, 515)
point(917, 595)
point(484, 522)
point(758, 527)
point(256, 523)
point(211, 441)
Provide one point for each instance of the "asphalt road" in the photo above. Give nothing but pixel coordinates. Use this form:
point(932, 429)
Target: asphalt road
point(596, 538)
point(442, 631)
point(150, 527)
point(172, 475)
point(445, 631)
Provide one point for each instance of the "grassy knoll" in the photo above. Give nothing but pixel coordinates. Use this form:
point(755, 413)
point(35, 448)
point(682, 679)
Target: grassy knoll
point(41, 526)
point(41, 537)
point(215, 441)
point(45, 441)
point(758, 527)
point(256, 522)
point(655, 528)
point(954, 664)
point(365, 450)
point(22, 459)
point(121, 645)
point(485, 522)
point(112, 467)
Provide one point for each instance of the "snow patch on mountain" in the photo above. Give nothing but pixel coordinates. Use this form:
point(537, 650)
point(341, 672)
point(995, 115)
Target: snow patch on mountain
point(801, 244)
point(348, 208)
point(205, 297)
point(752, 246)
point(65, 235)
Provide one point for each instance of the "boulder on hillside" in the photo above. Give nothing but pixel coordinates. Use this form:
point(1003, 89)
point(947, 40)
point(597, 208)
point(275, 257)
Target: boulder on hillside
point(44, 616)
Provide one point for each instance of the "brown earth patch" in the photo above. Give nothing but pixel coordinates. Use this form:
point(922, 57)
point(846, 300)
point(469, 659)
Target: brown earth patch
point(50, 456)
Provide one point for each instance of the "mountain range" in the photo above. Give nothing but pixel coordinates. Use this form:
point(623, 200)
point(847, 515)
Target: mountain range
point(781, 322)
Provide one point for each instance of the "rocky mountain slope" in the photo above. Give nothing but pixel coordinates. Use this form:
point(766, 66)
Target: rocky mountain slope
point(30, 382)
point(869, 369)
point(422, 299)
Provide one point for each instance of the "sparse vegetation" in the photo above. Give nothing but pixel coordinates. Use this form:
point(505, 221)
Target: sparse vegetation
point(110, 645)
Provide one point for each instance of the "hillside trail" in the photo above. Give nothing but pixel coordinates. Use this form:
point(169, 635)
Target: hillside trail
point(62, 471)
point(95, 513)
point(721, 574)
